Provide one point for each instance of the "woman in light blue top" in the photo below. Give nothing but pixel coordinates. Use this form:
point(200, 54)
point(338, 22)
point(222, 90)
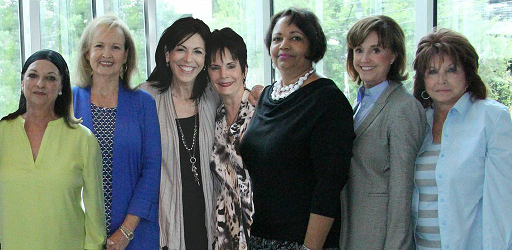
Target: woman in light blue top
point(463, 180)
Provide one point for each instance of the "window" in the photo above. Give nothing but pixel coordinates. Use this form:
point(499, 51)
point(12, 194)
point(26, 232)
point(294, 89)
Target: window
point(132, 12)
point(62, 23)
point(487, 26)
point(338, 16)
point(10, 61)
point(243, 16)
point(58, 25)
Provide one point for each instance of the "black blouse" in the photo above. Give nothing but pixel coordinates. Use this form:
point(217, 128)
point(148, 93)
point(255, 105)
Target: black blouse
point(193, 196)
point(298, 151)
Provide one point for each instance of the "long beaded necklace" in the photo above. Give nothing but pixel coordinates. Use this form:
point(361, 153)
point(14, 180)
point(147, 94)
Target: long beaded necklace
point(280, 92)
point(192, 149)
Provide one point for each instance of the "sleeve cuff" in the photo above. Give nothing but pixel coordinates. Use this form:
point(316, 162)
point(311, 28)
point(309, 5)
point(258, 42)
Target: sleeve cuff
point(144, 209)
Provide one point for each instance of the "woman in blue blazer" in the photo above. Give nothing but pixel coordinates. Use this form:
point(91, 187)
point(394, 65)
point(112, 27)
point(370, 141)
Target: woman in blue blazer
point(126, 125)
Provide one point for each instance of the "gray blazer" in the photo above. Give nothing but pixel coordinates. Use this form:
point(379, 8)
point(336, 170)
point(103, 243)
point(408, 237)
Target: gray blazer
point(376, 202)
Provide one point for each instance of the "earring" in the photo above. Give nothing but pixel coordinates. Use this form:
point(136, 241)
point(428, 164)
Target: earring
point(123, 70)
point(423, 95)
point(273, 65)
point(167, 64)
point(60, 92)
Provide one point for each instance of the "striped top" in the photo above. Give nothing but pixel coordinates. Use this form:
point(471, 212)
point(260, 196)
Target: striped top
point(427, 227)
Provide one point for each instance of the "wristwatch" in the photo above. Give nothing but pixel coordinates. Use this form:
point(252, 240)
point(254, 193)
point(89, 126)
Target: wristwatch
point(127, 233)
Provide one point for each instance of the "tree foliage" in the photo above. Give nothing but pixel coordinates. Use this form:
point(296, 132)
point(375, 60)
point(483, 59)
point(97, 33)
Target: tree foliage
point(62, 22)
point(10, 59)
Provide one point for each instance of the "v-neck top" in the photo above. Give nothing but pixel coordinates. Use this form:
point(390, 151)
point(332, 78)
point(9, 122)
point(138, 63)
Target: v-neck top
point(41, 200)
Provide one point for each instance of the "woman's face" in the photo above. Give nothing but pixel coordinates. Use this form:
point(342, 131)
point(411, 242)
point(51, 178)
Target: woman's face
point(187, 59)
point(226, 75)
point(289, 48)
point(41, 84)
point(371, 61)
point(107, 53)
point(445, 82)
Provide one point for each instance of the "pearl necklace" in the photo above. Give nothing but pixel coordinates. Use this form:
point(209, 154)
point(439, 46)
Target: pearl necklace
point(280, 92)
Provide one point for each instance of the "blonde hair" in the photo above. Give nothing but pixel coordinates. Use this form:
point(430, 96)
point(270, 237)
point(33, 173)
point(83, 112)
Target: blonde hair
point(83, 71)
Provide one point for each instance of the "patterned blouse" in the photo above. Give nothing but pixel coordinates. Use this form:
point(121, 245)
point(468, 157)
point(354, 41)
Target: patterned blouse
point(104, 123)
point(234, 206)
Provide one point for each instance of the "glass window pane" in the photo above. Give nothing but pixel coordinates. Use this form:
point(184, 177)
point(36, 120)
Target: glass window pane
point(338, 16)
point(62, 23)
point(10, 61)
point(132, 12)
point(487, 25)
point(240, 15)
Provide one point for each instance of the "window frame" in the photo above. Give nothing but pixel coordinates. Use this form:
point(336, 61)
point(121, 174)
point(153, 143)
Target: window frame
point(31, 33)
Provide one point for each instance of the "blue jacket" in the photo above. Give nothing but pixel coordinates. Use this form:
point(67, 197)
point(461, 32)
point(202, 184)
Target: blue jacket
point(136, 161)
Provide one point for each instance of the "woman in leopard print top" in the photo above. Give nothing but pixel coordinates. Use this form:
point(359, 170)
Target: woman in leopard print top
point(227, 69)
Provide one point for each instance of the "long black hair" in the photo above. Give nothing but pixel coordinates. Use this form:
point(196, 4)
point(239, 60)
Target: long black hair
point(63, 103)
point(181, 30)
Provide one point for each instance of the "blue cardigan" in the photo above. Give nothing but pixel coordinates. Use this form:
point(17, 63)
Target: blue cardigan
point(136, 161)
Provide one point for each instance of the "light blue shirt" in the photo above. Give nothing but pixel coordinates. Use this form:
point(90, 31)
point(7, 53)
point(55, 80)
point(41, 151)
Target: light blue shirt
point(365, 106)
point(473, 175)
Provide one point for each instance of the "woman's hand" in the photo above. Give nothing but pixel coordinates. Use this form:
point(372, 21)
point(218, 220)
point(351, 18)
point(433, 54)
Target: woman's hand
point(255, 94)
point(117, 241)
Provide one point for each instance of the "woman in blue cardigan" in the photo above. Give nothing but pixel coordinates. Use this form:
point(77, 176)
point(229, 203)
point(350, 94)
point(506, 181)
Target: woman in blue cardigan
point(126, 125)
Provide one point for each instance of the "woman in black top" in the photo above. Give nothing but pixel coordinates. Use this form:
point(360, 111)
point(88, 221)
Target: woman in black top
point(299, 144)
point(186, 111)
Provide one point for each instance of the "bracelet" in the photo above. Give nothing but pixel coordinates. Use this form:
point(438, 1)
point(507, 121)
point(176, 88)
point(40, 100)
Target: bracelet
point(304, 247)
point(126, 232)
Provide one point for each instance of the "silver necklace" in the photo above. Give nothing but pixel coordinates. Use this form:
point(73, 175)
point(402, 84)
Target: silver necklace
point(192, 150)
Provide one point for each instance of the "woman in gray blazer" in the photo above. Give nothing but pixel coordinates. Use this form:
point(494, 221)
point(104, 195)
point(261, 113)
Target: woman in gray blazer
point(389, 125)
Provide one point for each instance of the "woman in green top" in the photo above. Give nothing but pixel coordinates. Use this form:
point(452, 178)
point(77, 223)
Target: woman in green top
point(49, 165)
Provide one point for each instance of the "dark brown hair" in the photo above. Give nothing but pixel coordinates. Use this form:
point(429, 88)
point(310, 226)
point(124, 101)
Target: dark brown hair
point(63, 103)
point(223, 39)
point(308, 23)
point(445, 42)
point(390, 36)
point(181, 30)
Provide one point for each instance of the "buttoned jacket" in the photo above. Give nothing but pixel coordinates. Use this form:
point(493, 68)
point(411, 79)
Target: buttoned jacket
point(377, 198)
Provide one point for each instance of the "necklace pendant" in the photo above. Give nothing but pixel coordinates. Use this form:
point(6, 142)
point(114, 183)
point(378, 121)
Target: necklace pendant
point(194, 170)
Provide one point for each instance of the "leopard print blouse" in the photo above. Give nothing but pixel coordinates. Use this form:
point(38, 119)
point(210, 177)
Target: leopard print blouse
point(234, 206)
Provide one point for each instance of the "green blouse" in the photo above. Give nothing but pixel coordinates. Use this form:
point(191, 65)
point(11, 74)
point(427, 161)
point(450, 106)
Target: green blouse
point(42, 202)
